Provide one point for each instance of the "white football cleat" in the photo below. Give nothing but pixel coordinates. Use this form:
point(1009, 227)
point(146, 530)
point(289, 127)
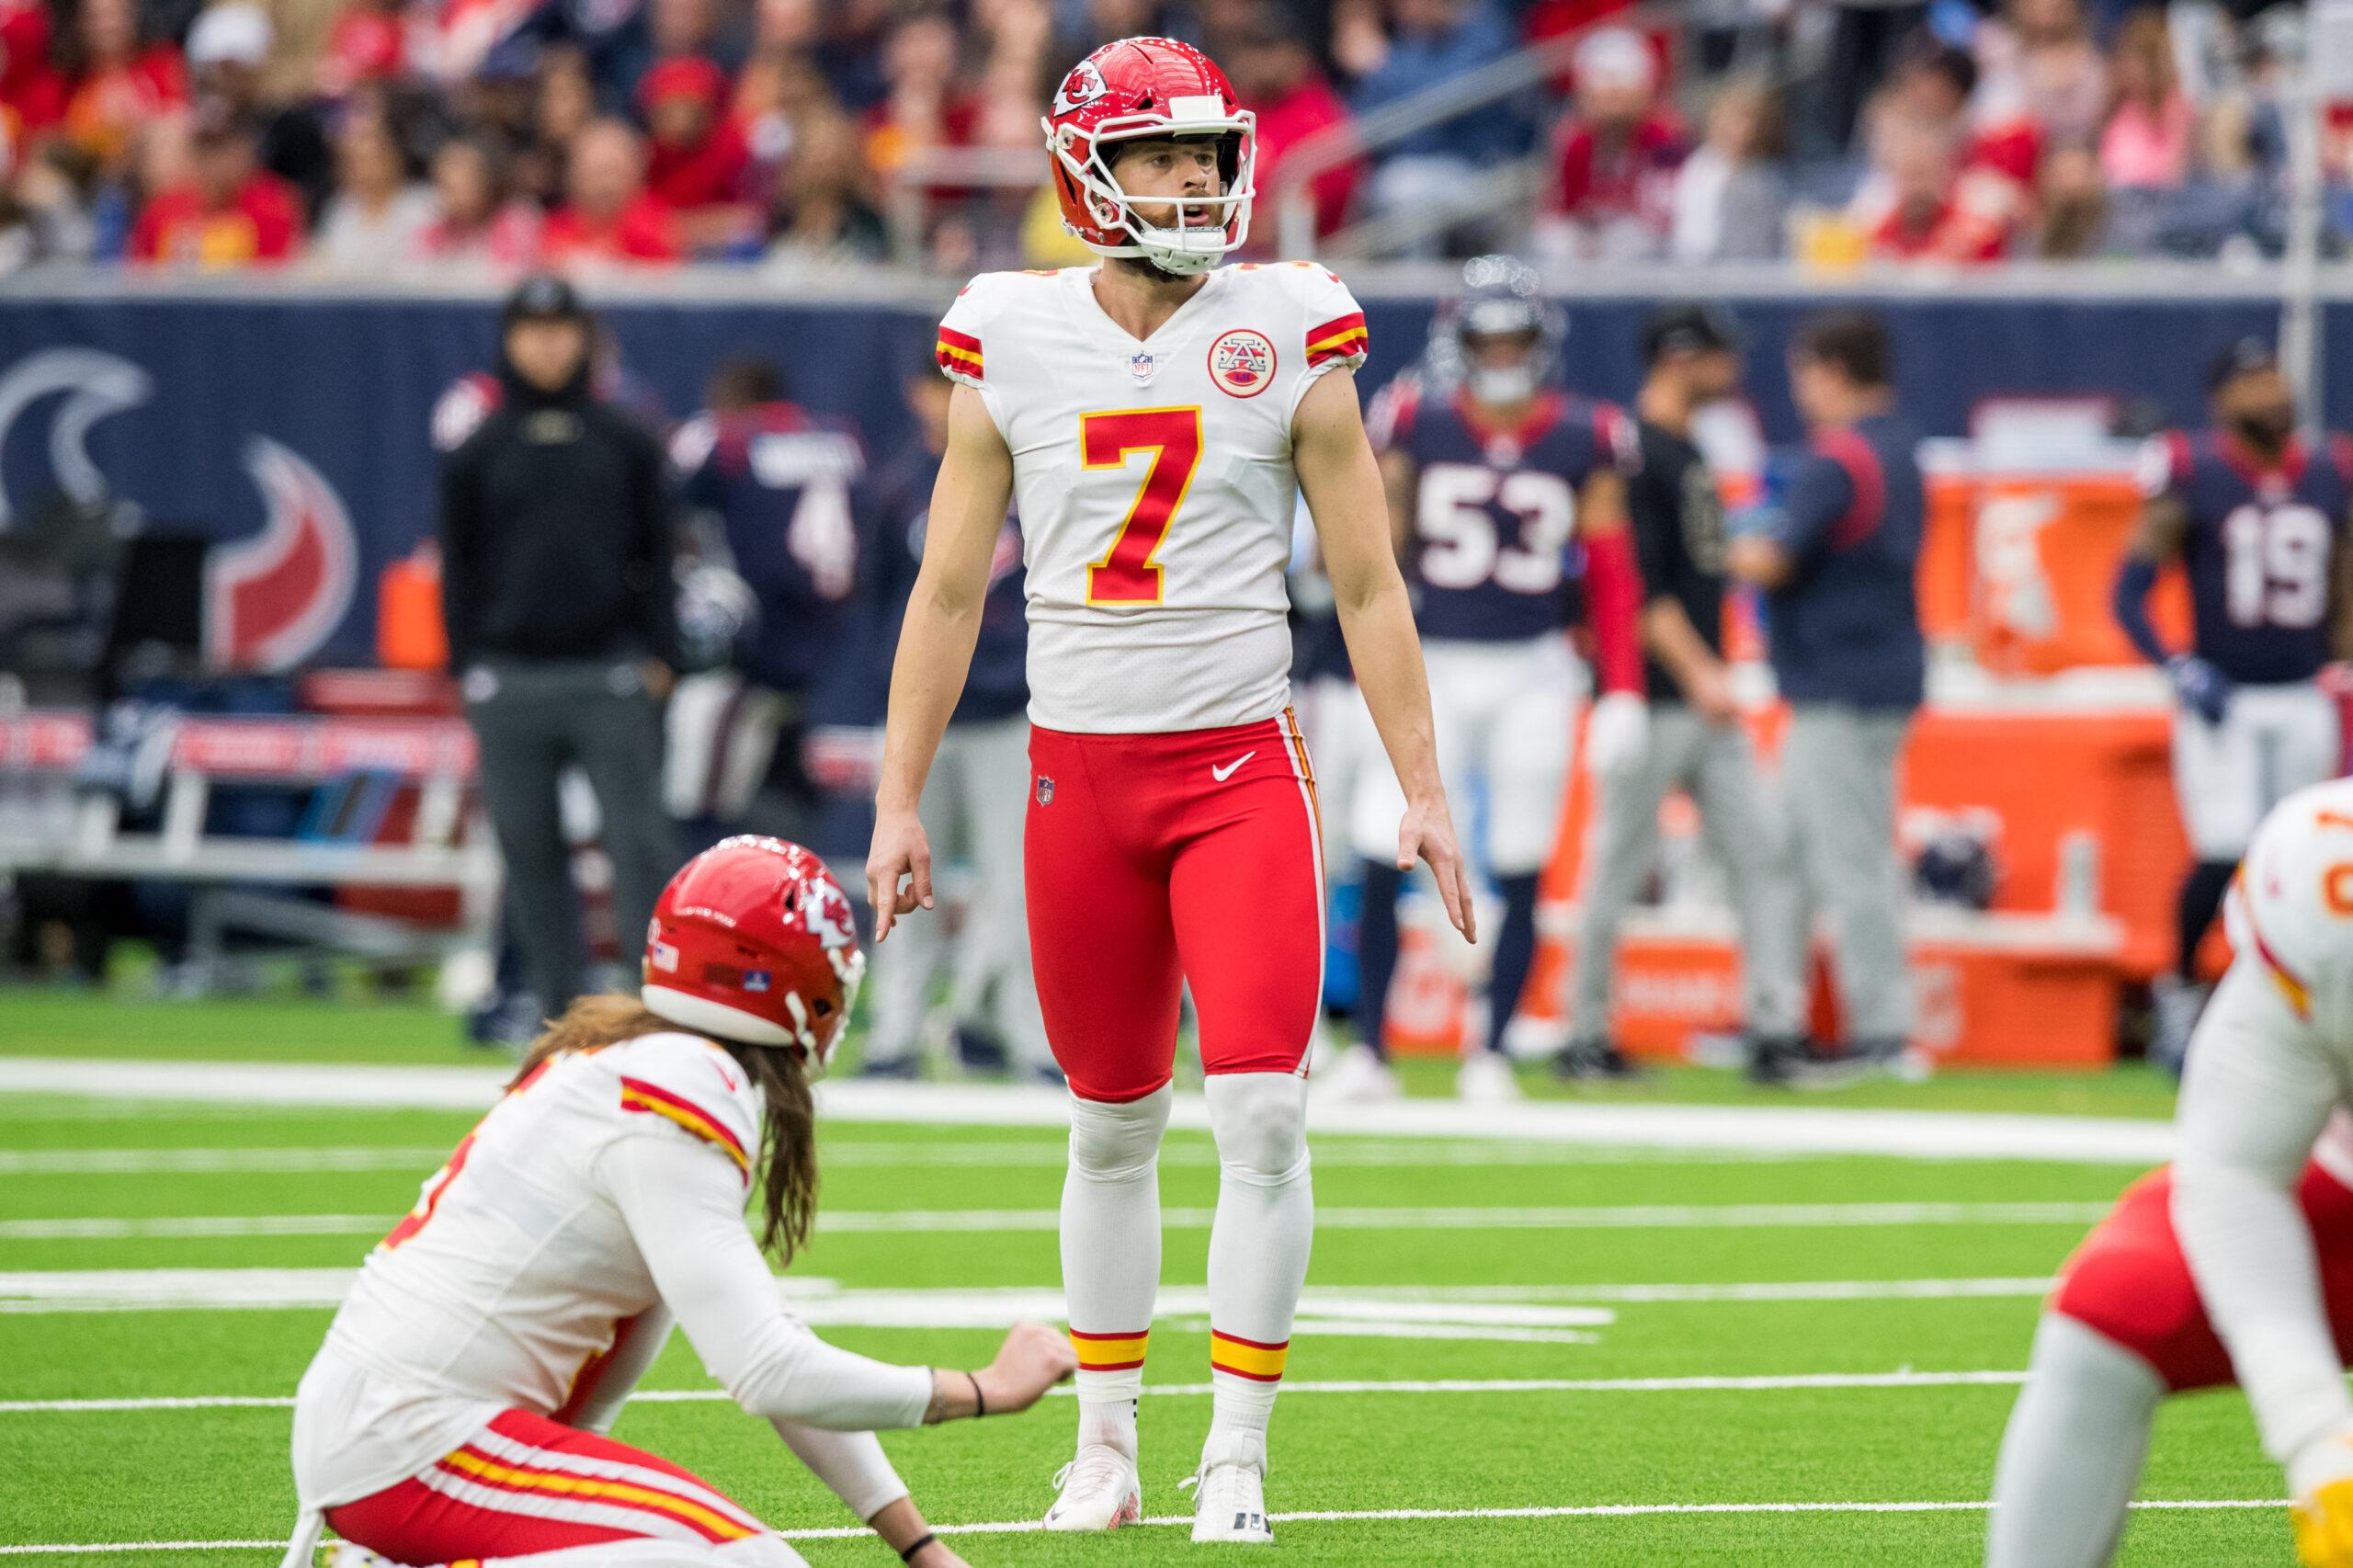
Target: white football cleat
point(1487, 1079)
point(1358, 1077)
point(1100, 1491)
point(1230, 1502)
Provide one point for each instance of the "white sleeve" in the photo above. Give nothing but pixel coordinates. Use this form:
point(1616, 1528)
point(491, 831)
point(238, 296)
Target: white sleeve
point(2254, 1099)
point(851, 1464)
point(960, 350)
point(684, 1208)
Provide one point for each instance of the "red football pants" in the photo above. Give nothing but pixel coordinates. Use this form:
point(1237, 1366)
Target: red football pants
point(1154, 862)
point(2131, 1281)
point(525, 1483)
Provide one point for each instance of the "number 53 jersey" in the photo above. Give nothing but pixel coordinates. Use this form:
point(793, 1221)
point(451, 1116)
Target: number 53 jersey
point(1155, 482)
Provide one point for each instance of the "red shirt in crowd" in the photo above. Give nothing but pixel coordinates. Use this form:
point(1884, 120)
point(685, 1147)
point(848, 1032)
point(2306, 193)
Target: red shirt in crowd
point(1286, 122)
point(260, 224)
point(642, 232)
point(710, 170)
point(366, 45)
point(1954, 232)
point(104, 109)
point(1630, 177)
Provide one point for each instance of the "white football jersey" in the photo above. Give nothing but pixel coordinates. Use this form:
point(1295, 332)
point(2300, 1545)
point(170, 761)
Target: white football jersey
point(1155, 484)
point(516, 1272)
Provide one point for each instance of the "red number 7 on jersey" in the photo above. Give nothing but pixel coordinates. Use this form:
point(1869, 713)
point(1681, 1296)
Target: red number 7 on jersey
point(1129, 572)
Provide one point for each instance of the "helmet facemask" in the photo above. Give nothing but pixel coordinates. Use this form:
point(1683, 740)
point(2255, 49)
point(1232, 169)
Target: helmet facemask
point(1195, 244)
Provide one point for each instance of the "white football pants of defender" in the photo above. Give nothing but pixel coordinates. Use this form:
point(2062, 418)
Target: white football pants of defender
point(2273, 741)
point(1505, 713)
point(2070, 1456)
point(974, 804)
point(721, 734)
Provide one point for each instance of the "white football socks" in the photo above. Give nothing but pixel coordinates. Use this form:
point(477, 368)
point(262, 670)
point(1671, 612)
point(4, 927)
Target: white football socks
point(1258, 1247)
point(2070, 1456)
point(1110, 1237)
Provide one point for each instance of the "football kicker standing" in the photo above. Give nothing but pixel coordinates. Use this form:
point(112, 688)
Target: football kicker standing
point(1156, 415)
point(1495, 477)
point(2236, 1264)
point(2257, 519)
point(457, 1413)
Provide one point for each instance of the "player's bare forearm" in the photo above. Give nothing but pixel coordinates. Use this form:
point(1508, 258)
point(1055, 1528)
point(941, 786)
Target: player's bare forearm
point(2163, 530)
point(1342, 481)
point(1670, 638)
point(1760, 562)
point(943, 621)
point(943, 618)
point(1349, 498)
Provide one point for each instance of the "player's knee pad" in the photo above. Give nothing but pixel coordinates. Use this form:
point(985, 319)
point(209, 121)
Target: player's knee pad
point(1260, 1122)
point(1119, 1142)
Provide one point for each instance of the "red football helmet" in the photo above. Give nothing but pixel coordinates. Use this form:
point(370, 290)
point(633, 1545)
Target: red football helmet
point(1149, 86)
point(753, 942)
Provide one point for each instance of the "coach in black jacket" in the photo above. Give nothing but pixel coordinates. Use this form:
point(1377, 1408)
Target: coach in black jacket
point(556, 586)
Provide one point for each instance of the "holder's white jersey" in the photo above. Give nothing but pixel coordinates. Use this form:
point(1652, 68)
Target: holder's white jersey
point(1155, 484)
point(543, 1263)
point(2268, 1083)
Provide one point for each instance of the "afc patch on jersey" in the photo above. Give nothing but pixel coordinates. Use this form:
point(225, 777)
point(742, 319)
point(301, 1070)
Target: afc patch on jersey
point(1242, 362)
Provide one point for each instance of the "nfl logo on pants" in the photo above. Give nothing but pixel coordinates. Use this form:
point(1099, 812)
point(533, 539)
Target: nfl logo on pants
point(1045, 790)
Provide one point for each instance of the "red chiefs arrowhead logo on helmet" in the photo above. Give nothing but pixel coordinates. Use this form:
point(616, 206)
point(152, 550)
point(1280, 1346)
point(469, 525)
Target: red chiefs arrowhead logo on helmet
point(824, 909)
point(1083, 85)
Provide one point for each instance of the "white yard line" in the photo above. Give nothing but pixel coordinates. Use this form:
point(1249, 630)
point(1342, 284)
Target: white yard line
point(825, 1302)
point(1813, 1130)
point(1765, 1383)
point(1306, 1516)
point(1189, 1153)
point(1045, 1222)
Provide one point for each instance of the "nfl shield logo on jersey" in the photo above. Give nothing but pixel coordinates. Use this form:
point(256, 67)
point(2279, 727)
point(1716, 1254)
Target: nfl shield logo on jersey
point(1142, 364)
point(1242, 362)
point(1045, 790)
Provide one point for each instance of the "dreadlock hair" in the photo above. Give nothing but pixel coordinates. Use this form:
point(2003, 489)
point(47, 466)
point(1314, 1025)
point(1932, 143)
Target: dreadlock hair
point(788, 1123)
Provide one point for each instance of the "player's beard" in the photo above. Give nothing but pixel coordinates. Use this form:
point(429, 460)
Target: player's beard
point(2266, 429)
point(1145, 267)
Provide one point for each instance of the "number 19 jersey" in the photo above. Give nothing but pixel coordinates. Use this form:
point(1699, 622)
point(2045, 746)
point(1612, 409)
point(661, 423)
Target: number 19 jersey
point(2261, 548)
point(1155, 484)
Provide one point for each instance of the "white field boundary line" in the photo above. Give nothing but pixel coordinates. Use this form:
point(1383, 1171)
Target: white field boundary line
point(1046, 1221)
point(1931, 1135)
point(825, 1303)
point(838, 1154)
point(1308, 1516)
point(1765, 1383)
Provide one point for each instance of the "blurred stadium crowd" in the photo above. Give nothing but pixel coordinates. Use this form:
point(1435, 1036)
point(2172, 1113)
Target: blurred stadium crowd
point(364, 136)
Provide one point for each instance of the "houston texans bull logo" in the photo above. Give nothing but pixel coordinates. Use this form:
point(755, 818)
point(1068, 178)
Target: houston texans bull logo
point(272, 597)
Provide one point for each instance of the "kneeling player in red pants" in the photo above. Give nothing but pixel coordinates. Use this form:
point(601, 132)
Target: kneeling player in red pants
point(1158, 417)
point(2234, 1264)
point(458, 1410)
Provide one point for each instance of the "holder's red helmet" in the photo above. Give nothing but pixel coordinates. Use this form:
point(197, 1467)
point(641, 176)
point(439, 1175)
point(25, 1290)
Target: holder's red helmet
point(753, 942)
point(1149, 86)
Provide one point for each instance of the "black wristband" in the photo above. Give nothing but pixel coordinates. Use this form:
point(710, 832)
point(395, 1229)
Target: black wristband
point(907, 1552)
point(980, 1406)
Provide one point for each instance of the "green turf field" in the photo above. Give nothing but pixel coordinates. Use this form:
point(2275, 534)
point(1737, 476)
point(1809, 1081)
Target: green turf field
point(1713, 1419)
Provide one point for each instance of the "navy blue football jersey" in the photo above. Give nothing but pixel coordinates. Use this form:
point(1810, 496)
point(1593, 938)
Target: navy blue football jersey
point(1494, 545)
point(2261, 550)
point(784, 483)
